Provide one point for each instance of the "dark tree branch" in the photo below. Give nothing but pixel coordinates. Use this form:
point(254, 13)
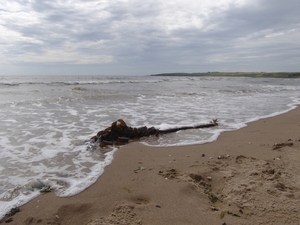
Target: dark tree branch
point(119, 133)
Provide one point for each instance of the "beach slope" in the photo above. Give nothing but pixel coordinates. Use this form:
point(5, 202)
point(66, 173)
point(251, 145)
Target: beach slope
point(248, 176)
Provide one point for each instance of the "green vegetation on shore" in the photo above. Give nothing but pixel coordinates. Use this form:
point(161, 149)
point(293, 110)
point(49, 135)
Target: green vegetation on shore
point(236, 74)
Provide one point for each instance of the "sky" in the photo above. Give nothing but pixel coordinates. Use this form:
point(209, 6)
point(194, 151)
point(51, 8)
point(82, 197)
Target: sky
point(143, 37)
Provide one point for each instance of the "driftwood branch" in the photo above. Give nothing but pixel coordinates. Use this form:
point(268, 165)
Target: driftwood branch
point(119, 133)
point(172, 130)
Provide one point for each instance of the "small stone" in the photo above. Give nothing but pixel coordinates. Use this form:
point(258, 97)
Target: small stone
point(203, 155)
point(220, 157)
point(214, 208)
point(208, 178)
point(158, 206)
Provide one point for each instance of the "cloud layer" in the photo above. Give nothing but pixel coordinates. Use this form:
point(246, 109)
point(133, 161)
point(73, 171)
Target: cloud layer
point(132, 37)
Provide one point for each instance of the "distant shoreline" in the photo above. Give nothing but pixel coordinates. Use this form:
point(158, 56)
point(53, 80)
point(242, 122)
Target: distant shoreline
point(235, 74)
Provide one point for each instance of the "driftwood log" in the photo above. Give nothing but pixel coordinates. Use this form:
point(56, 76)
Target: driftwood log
point(119, 133)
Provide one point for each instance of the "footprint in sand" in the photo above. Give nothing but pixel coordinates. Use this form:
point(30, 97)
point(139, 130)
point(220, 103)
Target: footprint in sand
point(122, 214)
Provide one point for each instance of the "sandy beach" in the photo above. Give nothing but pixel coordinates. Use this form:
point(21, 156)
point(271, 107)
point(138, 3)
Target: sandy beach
point(248, 176)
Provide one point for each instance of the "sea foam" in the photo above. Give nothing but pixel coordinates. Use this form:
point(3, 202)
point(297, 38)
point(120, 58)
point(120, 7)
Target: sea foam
point(47, 122)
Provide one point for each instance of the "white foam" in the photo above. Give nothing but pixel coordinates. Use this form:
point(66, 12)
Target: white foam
point(78, 185)
point(16, 202)
point(43, 133)
point(73, 112)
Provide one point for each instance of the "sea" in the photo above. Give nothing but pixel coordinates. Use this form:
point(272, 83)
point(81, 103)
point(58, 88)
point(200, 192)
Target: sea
point(47, 122)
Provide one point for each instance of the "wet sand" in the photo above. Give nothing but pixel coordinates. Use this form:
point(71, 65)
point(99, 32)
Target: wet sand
point(248, 176)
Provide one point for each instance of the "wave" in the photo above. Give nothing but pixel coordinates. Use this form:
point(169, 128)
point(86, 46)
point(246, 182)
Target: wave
point(86, 82)
point(44, 126)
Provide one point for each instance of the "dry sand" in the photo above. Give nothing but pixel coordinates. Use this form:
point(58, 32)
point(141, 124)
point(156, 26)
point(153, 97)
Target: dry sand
point(250, 183)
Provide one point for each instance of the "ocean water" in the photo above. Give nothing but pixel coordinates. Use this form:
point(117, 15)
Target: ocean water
point(47, 121)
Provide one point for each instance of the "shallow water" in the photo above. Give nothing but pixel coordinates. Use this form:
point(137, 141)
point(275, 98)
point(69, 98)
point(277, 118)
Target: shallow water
point(47, 121)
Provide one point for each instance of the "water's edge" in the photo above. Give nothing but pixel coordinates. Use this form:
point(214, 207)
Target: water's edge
point(110, 155)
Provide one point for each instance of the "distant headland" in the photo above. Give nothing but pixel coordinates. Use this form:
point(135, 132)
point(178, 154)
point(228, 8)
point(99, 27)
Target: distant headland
point(235, 74)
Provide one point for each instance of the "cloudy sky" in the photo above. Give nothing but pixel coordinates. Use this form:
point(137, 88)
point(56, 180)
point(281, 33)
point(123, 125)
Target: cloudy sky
point(141, 37)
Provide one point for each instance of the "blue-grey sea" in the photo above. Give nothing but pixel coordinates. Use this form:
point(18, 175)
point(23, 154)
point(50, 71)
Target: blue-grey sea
point(46, 121)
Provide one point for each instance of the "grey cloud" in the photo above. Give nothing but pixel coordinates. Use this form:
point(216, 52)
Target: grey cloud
point(242, 23)
point(43, 6)
point(231, 39)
